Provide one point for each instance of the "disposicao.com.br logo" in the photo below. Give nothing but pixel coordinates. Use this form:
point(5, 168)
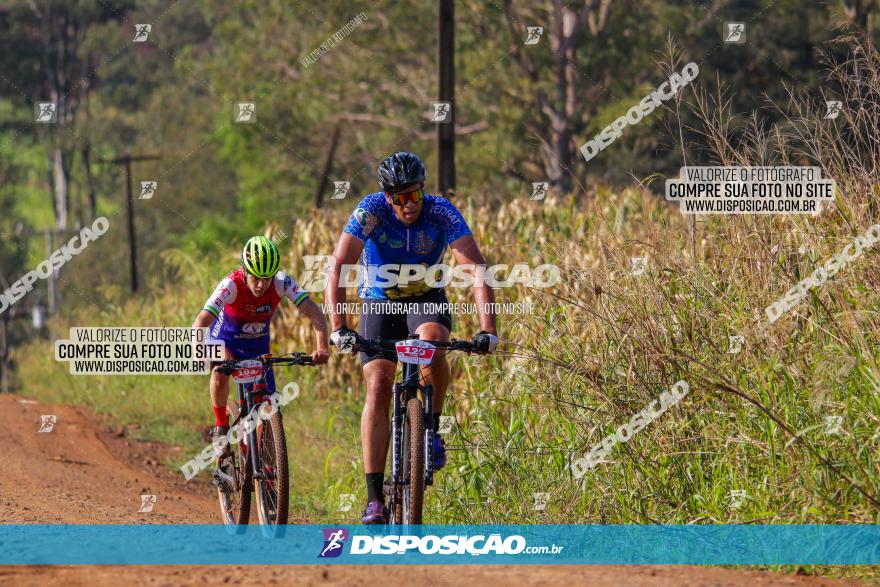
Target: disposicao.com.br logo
point(477, 545)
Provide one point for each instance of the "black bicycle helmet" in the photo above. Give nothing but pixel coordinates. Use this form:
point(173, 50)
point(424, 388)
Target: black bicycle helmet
point(400, 169)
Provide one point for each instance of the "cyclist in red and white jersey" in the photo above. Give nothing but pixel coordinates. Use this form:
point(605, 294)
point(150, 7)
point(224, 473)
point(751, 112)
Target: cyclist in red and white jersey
point(240, 310)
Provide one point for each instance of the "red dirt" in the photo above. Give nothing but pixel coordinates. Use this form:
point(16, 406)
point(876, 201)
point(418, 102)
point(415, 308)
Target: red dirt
point(82, 473)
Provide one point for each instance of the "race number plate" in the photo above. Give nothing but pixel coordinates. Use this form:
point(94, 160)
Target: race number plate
point(416, 352)
point(248, 371)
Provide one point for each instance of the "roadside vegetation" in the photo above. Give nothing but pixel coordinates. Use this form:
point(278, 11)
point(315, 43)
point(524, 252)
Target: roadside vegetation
point(786, 430)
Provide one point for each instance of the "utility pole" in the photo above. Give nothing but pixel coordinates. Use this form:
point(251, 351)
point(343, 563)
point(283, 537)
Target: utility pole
point(53, 291)
point(4, 351)
point(132, 244)
point(446, 72)
point(328, 167)
point(6, 320)
point(50, 282)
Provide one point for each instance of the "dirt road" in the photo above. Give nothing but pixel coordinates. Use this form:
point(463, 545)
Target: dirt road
point(82, 473)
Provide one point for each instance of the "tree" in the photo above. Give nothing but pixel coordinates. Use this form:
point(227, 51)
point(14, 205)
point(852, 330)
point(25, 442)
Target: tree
point(560, 106)
point(859, 14)
point(47, 38)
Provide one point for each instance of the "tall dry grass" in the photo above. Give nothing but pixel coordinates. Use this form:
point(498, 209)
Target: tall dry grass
point(603, 343)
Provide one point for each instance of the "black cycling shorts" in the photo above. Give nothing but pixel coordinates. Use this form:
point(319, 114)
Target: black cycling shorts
point(397, 319)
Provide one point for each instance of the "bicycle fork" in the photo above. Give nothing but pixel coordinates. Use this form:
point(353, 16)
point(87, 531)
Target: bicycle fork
point(396, 440)
point(398, 412)
point(246, 405)
point(429, 434)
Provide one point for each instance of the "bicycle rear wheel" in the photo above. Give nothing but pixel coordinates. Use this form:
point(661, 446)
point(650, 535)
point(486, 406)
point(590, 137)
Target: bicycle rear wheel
point(414, 462)
point(234, 487)
point(272, 489)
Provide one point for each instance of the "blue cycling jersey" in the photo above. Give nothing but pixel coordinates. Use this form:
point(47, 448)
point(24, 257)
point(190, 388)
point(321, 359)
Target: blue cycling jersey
point(388, 241)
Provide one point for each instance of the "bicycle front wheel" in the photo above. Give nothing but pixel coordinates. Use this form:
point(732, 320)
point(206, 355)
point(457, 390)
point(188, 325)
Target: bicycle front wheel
point(234, 487)
point(414, 461)
point(272, 486)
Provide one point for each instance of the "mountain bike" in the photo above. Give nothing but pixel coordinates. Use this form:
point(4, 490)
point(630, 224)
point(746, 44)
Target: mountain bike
point(412, 452)
point(258, 461)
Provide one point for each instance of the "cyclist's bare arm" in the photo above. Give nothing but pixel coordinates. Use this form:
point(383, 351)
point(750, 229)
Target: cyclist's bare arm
point(288, 288)
point(348, 251)
point(224, 293)
point(203, 320)
point(466, 252)
point(319, 325)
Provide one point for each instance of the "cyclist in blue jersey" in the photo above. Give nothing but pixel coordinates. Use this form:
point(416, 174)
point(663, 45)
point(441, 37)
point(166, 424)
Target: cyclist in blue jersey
point(401, 225)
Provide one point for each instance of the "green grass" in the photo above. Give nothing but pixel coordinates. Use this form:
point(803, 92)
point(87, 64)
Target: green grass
point(582, 367)
point(601, 345)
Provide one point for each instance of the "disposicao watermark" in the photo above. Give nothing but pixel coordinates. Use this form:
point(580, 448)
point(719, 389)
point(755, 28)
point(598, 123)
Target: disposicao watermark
point(646, 106)
point(244, 427)
point(476, 545)
point(783, 189)
point(850, 253)
point(147, 503)
point(331, 41)
point(56, 261)
point(142, 33)
point(318, 268)
point(626, 431)
point(138, 350)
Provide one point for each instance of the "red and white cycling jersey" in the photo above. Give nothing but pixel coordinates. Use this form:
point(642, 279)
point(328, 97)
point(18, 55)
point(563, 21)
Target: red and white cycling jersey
point(240, 314)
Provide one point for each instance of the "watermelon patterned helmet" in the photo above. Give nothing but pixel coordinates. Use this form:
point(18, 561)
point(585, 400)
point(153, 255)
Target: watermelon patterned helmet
point(260, 257)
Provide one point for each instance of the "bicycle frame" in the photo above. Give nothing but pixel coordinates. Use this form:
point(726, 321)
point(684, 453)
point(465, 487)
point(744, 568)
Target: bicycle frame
point(247, 396)
point(265, 473)
point(408, 387)
point(403, 390)
point(247, 393)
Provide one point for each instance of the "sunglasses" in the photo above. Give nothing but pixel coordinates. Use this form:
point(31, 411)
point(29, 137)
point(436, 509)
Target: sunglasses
point(401, 199)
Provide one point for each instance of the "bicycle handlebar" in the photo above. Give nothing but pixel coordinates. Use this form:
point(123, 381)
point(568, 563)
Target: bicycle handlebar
point(453, 344)
point(292, 359)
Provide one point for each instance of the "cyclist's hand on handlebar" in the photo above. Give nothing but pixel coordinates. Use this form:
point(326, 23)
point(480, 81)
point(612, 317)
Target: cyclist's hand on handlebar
point(320, 356)
point(484, 342)
point(345, 339)
point(222, 368)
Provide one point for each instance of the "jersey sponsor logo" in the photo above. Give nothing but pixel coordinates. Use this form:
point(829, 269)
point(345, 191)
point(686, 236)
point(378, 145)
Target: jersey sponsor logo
point(424, 243)
point(253, 327)
point(366, 220)
point(218, 324)
point(224, 293)
point(258, 309)
point(291, 287)
point(407, 291)
point(447, 213)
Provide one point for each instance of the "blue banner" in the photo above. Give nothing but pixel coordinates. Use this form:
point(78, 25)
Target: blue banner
point(452, 544)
